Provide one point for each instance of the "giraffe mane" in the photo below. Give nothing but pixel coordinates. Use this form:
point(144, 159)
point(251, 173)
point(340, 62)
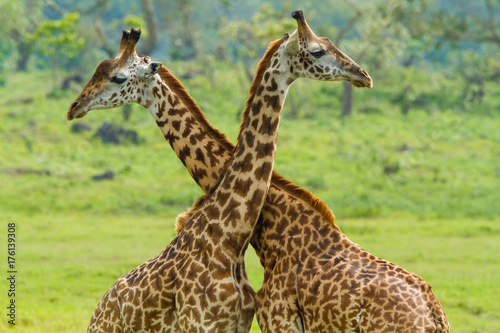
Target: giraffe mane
point(176, 86)
point(277, 180)
point(259, 74)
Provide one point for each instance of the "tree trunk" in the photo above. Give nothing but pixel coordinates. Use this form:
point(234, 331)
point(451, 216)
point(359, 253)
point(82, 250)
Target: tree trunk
point(24, 56)
point(149, 44)
point(347, 100)
point(97, 24)
point(24, 50)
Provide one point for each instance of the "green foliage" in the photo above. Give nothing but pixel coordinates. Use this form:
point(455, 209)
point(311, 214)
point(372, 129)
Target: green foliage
point(58, 39)
point(8, 10)
point(130, 21)
point(19, 19)
point(476, 68)
point(249, 38)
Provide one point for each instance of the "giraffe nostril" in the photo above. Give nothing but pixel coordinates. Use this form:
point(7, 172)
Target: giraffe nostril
point(73, 105)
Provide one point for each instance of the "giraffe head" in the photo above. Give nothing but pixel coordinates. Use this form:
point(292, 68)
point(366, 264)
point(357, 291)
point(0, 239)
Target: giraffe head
point(118, 81)
point(318, 58)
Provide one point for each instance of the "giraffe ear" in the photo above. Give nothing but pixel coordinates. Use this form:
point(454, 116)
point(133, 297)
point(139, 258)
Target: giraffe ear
point(154, 67)
point(293, 44)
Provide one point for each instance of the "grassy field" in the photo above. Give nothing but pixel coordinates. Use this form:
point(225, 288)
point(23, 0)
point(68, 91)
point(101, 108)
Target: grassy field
point(66, 263)
point(421, 191)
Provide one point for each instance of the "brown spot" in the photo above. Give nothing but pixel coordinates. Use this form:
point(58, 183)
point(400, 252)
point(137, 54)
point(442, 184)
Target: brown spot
point(200, 156)
point(241, 186)
point(199, 173)
point(164, 90)
point(255, 124)
point(274, 85)
point(215, 233)
point(170, 137)
point(273, 102)
point(268, 126)
point(155, 92)
point(197, 137)
point(245, 164)
point(187, 131)
point(260, 89)
point(264, 149)
point(256, 200)
point(173, 100)
point(263, 171)
point(184, 153)
point(222, 198)
point(231, 212)
point(256, 107)
point(137, 320)
point(161, 110)
point(212, 212)
point(266, 76)
point(250, 138)
point(176, 124)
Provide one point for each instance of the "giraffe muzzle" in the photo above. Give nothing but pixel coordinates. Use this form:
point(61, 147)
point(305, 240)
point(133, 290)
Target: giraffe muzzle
point(362, 79)
point(74, 112)
point(364, 82)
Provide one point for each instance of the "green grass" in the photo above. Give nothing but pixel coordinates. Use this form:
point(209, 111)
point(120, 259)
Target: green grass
point(66, 262)
point(421, 191)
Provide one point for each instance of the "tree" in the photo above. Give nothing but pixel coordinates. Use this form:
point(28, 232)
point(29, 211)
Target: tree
point(182, 27)
point(388, 31)
point(19, 20)
point(147, 22)
point(248, 39)
point(58, 42)
point(472, 27)
point(468, 21)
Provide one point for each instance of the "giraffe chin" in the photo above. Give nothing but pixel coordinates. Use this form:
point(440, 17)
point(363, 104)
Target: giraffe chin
point(81, 115)
point(73, 115)
point(360, 84)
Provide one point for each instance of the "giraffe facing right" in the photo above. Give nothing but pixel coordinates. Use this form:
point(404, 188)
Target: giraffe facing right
point(317, 280)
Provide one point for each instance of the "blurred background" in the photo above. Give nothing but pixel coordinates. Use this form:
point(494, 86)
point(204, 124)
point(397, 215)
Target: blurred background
point(411, 168)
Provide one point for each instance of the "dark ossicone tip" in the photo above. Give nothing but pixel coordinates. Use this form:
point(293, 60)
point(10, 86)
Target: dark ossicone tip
point(298, 15)
point(135, 34)
point(125, 34)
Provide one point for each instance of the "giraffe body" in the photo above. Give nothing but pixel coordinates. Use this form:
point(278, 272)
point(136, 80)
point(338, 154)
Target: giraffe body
point(306, 258)
point(319, 281)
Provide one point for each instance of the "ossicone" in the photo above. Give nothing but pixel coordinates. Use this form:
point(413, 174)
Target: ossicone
point(298, 15)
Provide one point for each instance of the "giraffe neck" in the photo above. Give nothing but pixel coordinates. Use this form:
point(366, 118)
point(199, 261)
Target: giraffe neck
point(236, 203)
point(200, 147)
point(247, 177)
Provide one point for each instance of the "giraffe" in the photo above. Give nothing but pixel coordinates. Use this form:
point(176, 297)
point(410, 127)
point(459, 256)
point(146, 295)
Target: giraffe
point(317, 280)
point(294, 224)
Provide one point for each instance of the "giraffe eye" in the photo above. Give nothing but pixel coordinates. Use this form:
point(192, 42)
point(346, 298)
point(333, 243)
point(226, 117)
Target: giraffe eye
point(118, 80)
point(318, 54)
